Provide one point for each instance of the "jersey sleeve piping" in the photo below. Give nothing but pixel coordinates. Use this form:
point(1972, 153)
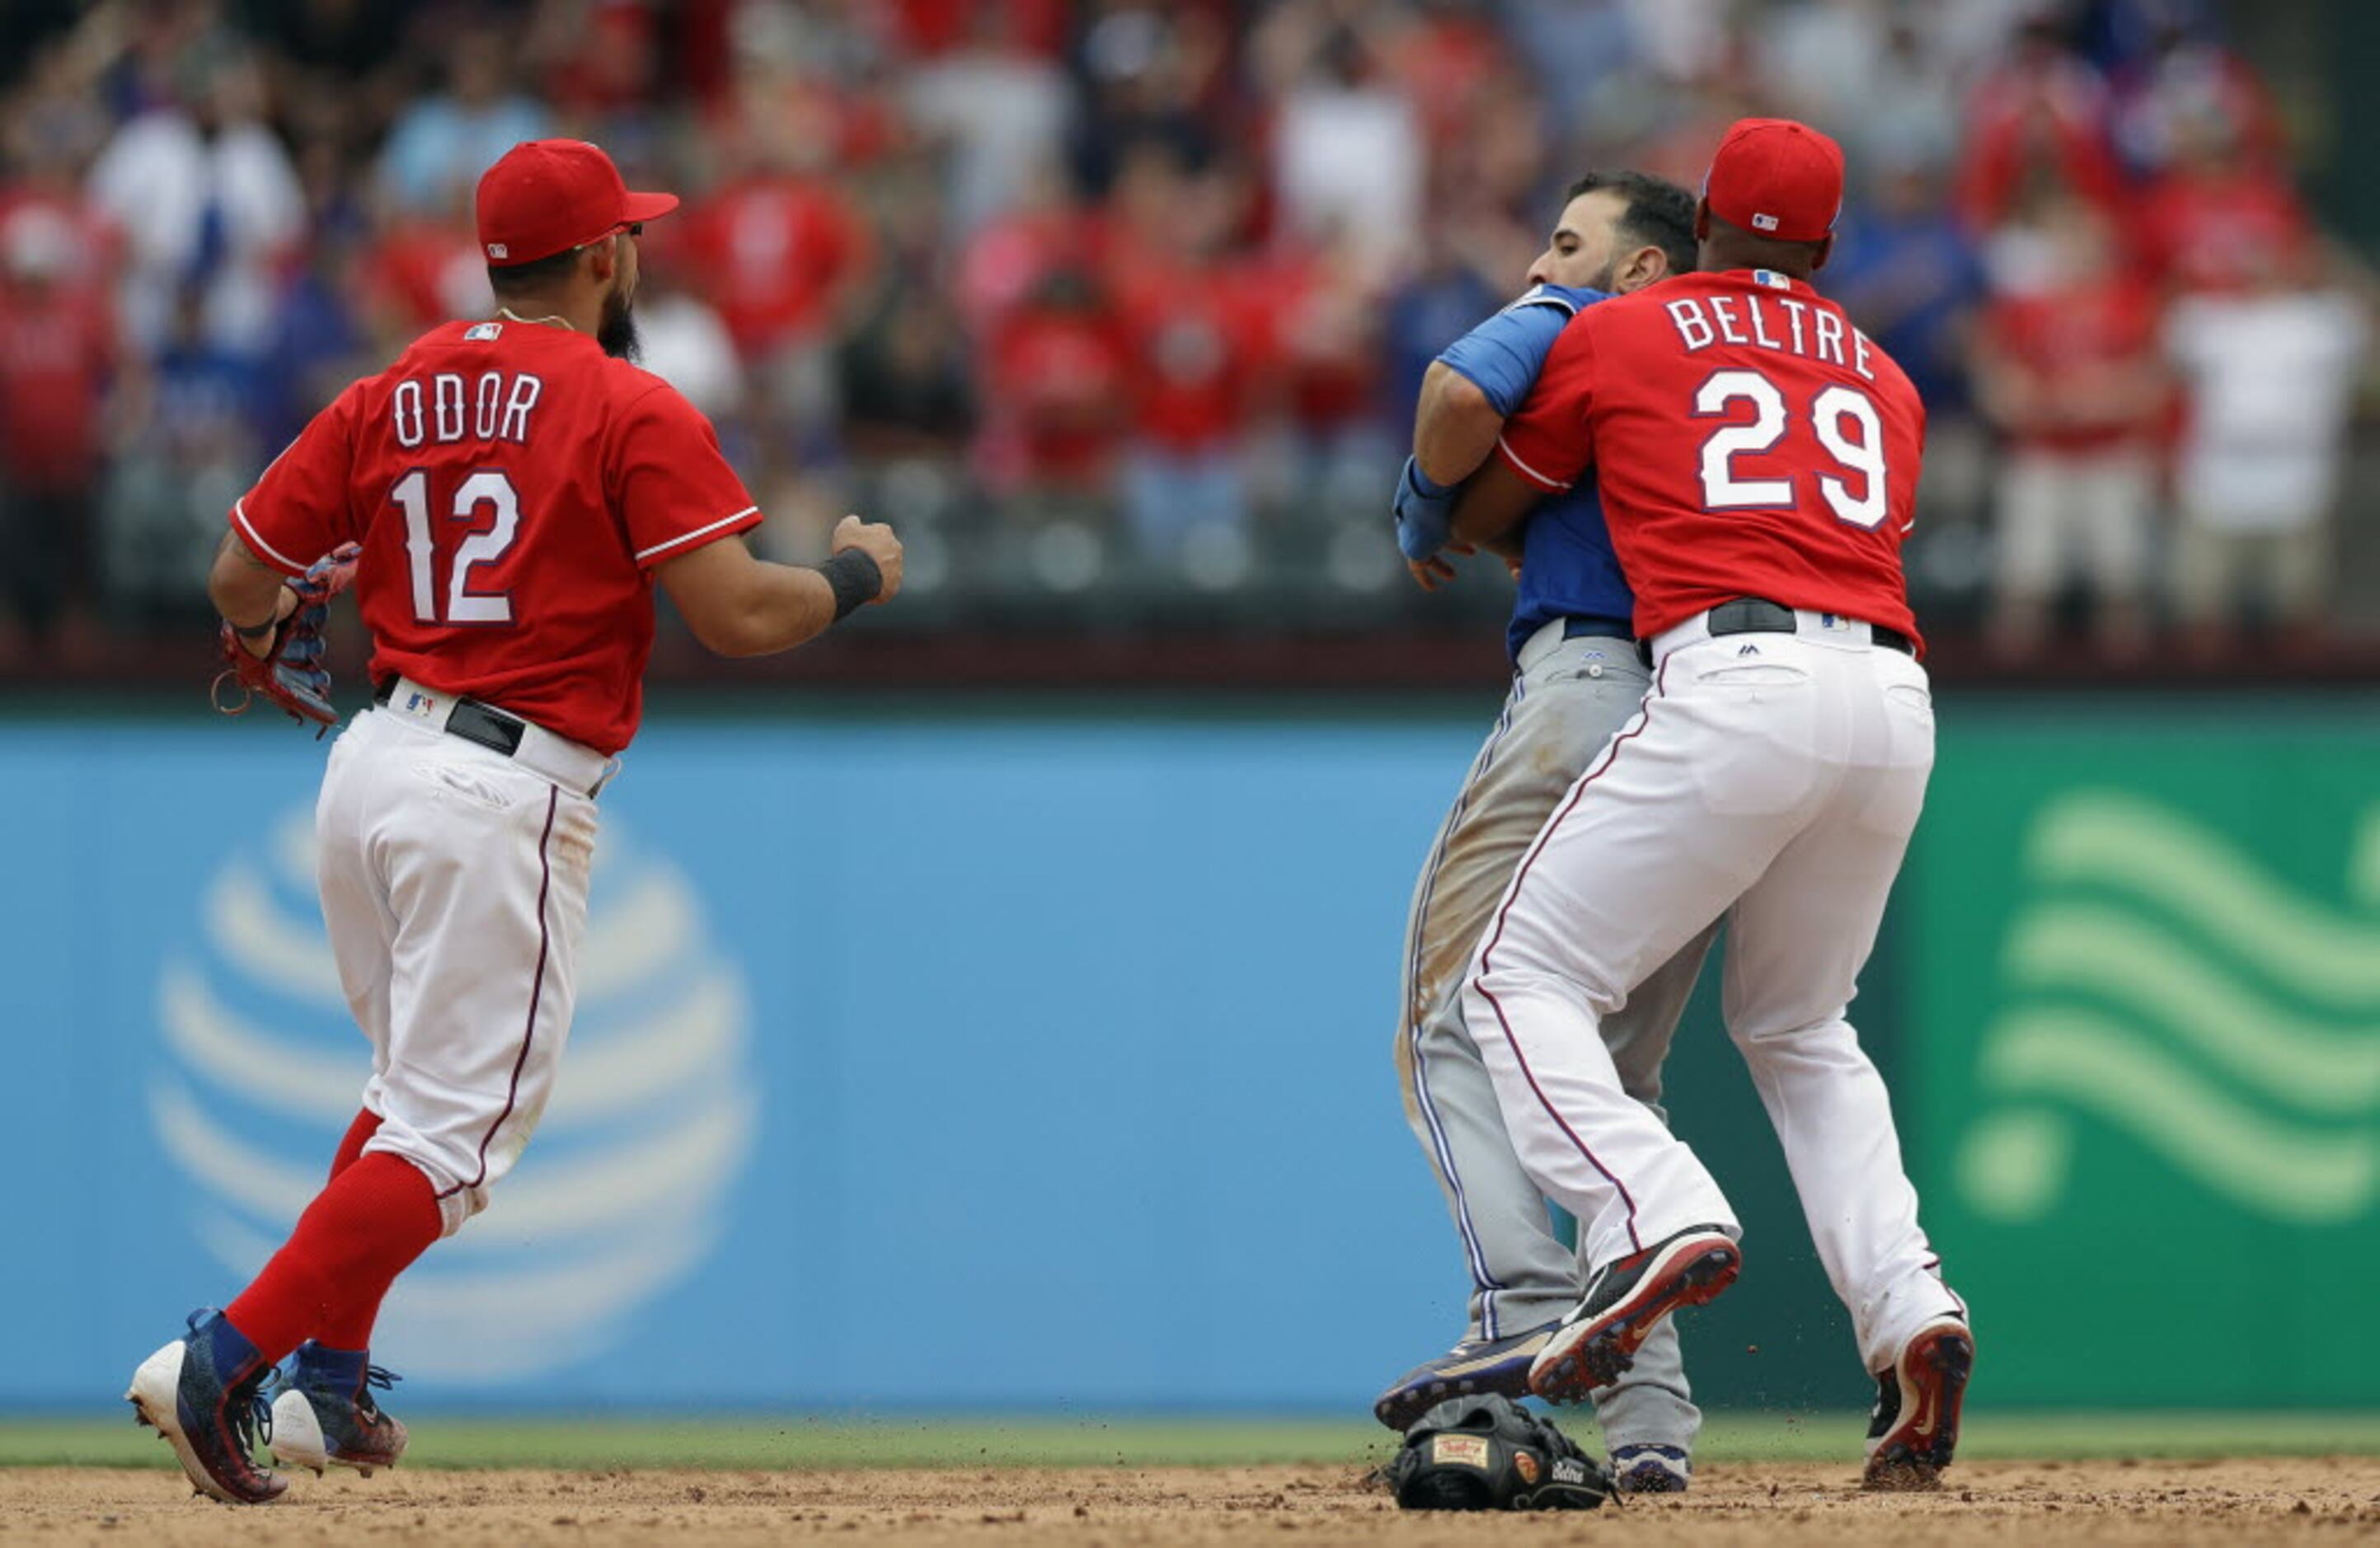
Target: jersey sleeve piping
point(1513, 458)
point(683, 538)
point(256, 540)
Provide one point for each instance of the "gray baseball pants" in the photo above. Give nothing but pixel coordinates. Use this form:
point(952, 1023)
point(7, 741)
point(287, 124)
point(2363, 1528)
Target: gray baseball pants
point(1569, 697)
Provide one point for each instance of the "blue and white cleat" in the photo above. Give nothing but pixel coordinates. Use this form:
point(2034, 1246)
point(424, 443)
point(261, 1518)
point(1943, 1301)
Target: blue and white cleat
point(324, 1413)
point(1497, 1365)
point(1646, 1469)
point(204, 1394)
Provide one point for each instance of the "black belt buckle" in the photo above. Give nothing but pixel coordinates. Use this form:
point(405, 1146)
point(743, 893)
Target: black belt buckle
point(473, 721)
point(1758, 615)
point(491, 729)
point(1753, 615)
point(1589, 625)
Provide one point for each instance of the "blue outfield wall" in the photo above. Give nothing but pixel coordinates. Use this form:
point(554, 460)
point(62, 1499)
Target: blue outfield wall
point(928, 1062)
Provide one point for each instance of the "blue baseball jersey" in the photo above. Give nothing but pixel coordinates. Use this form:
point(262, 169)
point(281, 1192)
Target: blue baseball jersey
point(1568, 568)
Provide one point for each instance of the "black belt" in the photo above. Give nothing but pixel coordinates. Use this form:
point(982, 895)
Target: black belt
point(1758, 615)
point(1587, 625)
point(471, 721)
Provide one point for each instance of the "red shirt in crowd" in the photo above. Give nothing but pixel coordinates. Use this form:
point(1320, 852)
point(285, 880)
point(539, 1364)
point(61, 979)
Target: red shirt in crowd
point(419, 270)
point(774, 252)
point(923, 29)
point(1199, 344)
point(57, 349)
point(1321, 337)
point(2218, 231)
point(513, 487)
point(1747, 442)
point(2038, 114)
point(613, 56)
point(1058, 379)
point(2067, 341)
point(1442, 63)
point(1013, 253)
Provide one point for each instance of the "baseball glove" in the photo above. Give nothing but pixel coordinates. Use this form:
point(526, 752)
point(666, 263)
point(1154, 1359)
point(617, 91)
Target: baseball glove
point(291, 674)
point(1488, 1453)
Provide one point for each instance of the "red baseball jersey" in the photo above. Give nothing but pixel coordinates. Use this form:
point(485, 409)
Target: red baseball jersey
point(513, 487)
point(1747, 439)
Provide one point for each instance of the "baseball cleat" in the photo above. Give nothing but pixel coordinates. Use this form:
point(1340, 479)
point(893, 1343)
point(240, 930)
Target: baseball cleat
point(1915, 1427)
point(1497, 1365)
point(204, 1394)
point(1650, 1470)
point(324, 1413)
point(1625, 1301)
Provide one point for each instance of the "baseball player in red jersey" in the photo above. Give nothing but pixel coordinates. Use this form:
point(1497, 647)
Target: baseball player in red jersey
point(1758, 459)
point(516, 486)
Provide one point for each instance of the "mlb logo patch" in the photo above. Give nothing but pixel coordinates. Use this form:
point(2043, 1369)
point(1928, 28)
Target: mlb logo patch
point(499, 251)
point(1764, 222)
point(482, 332)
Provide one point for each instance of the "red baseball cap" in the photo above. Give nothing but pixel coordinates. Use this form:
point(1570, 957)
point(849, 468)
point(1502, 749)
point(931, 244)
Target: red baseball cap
point(1777, 178)
point(547, 196)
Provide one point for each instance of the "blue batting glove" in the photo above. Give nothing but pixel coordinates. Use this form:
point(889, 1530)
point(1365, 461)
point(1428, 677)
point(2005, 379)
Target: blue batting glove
point(1425, 513)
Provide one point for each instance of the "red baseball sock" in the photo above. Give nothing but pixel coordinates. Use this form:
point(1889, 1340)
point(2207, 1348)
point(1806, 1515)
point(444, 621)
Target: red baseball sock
point(360, 1233)
point(358, 1133)
point(349, 1326)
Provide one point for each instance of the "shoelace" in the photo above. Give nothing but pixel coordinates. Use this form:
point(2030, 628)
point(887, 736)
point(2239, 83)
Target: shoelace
point(379, 1376)
point(374, 1376)
point(248, 1408)
point(251, 1412)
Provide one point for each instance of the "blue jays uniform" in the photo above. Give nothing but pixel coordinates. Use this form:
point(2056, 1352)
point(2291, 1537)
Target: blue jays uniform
point(1576, 681)
point(1567, 569)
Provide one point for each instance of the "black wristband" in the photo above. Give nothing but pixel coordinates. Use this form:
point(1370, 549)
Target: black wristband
point(255, 631)
point(857, 579)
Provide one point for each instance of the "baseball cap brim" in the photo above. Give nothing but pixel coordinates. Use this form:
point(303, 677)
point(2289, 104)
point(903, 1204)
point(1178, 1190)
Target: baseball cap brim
point(647, 207)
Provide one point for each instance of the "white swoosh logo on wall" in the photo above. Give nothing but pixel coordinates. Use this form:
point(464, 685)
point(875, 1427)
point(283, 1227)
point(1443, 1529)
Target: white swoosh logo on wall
point(2113, 839)
point(636, 936)
point(628, 1179)
point(294, 1079)
point(2101, 1068)
point(2288, 1057)
point(607, 1080)
point(271, 947)
point(631, 940)
point(2165, 982)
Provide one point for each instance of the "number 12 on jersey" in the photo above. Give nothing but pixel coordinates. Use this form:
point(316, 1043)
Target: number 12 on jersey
point(1835, 412)
point(485, 502)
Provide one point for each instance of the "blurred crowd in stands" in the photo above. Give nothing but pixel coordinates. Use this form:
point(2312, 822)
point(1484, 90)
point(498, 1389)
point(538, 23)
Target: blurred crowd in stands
point(1118, 306)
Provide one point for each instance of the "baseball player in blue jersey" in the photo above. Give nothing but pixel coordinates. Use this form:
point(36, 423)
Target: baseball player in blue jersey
point(1576, 681)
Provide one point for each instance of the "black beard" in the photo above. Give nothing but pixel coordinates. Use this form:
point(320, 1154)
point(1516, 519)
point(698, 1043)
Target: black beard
point(617, 332)
point(1607, 280)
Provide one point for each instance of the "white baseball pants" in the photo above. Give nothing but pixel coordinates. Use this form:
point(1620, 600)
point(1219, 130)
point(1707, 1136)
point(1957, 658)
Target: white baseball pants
point(453, 886)
point(1774, 779)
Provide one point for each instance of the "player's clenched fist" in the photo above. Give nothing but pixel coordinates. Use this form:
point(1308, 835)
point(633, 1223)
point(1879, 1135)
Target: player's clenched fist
point(874, 539)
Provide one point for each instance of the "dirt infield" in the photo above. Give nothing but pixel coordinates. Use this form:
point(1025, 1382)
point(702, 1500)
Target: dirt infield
point(1758, 1506)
